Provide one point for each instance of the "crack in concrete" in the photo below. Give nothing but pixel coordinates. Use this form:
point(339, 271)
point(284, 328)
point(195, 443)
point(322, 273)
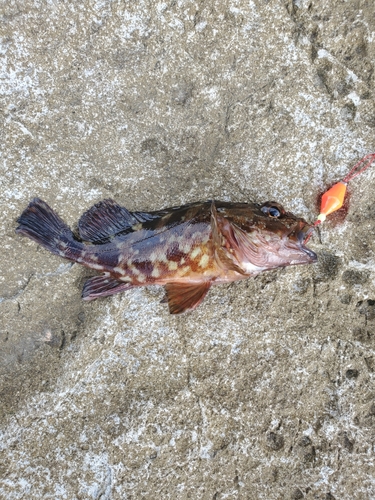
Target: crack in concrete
point(19, 292)
point(105, 490)
point(62, 269)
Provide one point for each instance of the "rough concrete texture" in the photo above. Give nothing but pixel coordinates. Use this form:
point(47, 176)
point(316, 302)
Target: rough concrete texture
point(266, 391)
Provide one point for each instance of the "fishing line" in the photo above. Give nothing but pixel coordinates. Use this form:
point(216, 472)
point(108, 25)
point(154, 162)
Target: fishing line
point(333, 199)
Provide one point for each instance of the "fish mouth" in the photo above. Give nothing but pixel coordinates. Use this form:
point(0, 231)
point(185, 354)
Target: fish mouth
point(301, 238)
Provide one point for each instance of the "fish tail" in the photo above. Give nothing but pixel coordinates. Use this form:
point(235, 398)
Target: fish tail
point(41, 224)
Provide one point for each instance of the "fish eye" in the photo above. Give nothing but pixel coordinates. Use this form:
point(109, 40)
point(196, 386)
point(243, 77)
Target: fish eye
point(271, 211)
point(274, 212)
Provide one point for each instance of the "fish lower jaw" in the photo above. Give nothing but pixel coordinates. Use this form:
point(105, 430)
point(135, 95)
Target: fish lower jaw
point(250, 268)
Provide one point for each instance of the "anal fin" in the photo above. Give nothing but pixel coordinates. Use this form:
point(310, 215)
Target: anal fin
point(182, 297)
point(103, 286)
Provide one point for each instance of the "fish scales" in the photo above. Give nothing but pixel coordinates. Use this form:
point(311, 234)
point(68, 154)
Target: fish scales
point(187, 249)
point(182, 252)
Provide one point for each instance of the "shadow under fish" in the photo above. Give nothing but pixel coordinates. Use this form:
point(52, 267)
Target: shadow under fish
point(187, 248)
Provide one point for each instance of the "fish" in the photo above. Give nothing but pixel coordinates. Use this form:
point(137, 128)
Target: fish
point(186, 248)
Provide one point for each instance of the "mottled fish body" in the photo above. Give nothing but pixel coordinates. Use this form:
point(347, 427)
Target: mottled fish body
point(186, 248)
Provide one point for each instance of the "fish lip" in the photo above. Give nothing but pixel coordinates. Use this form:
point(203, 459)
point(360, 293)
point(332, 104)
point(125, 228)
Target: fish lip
point(312, 255)
point(301, 237)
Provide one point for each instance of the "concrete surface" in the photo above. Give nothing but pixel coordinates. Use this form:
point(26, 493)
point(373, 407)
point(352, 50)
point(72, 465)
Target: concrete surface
point(267, 390)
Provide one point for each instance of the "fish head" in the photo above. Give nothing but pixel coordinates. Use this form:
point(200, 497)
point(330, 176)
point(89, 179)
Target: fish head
point(262, 237)
point(285, 234)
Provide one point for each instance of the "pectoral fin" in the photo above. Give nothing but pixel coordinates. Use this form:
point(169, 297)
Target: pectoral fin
point(182, 297)
point(224, 242)
point(102, 286)
point(256, 254)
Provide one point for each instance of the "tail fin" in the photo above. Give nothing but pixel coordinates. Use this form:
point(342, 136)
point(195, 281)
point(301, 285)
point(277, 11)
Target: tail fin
point(41, 224)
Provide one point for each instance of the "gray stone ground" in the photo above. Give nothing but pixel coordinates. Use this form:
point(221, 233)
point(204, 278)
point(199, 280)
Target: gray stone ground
point(267, 390)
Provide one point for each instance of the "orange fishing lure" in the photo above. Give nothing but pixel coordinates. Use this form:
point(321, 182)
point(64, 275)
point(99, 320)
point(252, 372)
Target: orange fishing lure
point(333, 199)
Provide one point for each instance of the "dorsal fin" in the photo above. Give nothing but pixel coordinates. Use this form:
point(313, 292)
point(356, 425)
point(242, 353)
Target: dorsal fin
point(104, 220)
point(147, 216)
point(107, 219)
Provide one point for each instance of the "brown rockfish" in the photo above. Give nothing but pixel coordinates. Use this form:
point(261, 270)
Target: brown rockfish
point(186, 248)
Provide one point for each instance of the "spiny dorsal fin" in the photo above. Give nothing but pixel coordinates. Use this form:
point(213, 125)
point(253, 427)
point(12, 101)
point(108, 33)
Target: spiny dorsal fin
point(183, 297)
point(102, 286)
point(107, 219)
